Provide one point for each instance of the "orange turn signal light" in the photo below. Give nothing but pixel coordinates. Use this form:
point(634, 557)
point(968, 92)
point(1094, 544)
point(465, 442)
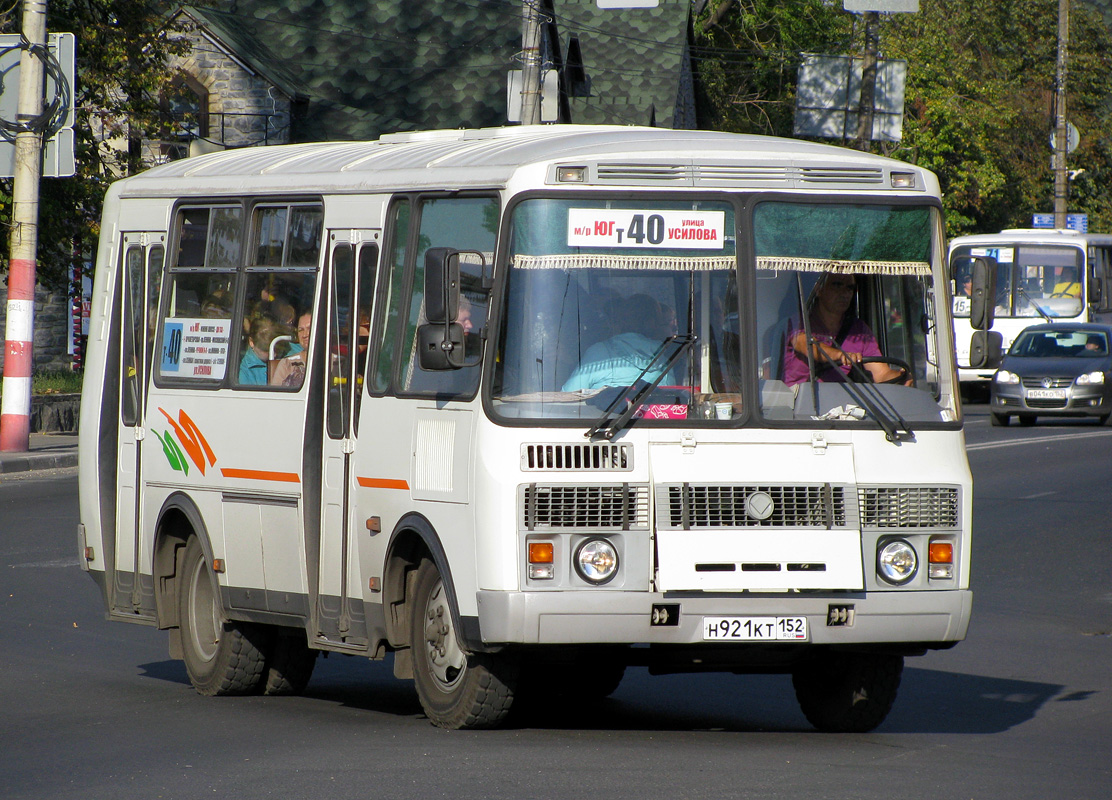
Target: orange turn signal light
point(941, 553)
point(540, 552)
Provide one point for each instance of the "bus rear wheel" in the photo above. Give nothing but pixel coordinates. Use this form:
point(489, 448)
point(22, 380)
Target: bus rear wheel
point(848, 692)
point(457, 689)
point(289, 663)
point(221, 658)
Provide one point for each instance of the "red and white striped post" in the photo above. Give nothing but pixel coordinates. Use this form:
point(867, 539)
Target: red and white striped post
point(15, 409)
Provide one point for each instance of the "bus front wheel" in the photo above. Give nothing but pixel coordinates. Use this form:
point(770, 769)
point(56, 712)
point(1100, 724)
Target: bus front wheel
point(848, 692)
point(221, 658)
point(457, 689)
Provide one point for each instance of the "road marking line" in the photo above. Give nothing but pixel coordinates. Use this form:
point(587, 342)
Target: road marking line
point(1038, 440)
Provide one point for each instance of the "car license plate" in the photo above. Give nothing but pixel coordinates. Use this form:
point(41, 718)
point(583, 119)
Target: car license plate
point(755, 629)
point(1046, 394)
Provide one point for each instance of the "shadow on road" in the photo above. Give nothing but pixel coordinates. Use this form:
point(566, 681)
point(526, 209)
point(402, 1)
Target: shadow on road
point(930, 701)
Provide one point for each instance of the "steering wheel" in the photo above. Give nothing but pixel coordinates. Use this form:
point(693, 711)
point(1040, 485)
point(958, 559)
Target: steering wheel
point(1063, 294)
point(859, 374)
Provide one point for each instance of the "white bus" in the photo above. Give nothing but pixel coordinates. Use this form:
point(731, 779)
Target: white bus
point(520, 409)
point(1043, 275)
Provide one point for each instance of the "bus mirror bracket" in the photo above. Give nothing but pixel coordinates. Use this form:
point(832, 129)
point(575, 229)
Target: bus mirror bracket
point(982, 303)
point(986, 349)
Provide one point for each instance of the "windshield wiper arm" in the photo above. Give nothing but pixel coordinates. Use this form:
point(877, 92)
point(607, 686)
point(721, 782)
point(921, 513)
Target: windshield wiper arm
point(872, 400)
point(1036, 306)
point(680, 343)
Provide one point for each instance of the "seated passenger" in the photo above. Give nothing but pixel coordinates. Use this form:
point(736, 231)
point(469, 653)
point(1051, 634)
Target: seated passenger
point(262, 330)
point(618, 361)
point(836, 336)
point(290, 371)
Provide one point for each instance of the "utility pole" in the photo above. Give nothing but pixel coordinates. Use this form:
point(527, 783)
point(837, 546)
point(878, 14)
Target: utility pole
point(15, 412)
point(867, 106)
point(531, 63)
point(1061, 126)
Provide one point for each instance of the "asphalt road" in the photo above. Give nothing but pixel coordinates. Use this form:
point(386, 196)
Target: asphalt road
point(1021, 709)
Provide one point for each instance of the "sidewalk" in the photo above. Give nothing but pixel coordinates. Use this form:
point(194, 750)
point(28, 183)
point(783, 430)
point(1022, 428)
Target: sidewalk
point(47, 451)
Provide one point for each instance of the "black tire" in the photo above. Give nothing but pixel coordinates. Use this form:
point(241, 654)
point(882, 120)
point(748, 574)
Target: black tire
point(222, 658)
point(1027, 420)
point(1103, 418)
point(999, 420)
point(457, 689)
point(848, 692)
point(289, 663)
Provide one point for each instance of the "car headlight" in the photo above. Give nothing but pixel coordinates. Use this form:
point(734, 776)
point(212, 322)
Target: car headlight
point(1090, 379)
point(596, 561)
point(1003, 376)
point(897, 562)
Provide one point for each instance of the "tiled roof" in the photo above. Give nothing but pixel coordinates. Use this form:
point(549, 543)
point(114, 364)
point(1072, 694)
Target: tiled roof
point(366, 68)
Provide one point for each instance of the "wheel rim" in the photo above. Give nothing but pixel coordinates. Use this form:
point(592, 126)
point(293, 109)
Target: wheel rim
point(203, 627)
point(446, 660)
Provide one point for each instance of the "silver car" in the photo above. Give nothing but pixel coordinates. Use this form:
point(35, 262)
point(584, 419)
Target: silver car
point(1060, 369)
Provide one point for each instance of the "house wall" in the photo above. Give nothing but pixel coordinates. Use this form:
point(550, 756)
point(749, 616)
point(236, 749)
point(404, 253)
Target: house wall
point(245, 110)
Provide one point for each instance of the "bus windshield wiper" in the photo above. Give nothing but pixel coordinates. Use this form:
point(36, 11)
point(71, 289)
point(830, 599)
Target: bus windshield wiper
point(1042, 312)
point(868, 396)
point(629, 399)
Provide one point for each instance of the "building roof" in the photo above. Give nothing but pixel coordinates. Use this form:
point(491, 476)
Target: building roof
point(359, 69)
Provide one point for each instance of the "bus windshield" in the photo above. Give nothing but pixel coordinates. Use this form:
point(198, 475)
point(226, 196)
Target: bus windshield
point(603, 295)
point(1031, 280)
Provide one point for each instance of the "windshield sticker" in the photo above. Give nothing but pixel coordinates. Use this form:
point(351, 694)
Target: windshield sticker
point(671, 230)
point(195, 348)
point(1003, 255)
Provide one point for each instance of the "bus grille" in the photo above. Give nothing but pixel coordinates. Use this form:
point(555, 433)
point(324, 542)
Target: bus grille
point(908, 506)
point(690, 506)
point(566, 457)
point(611, 507)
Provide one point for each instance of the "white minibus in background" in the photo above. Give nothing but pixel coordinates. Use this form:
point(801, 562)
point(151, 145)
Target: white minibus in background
point(1042, 275)
point(524, 407)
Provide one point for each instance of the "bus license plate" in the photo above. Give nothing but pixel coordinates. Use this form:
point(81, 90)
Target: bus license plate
point(755, 629)
point(1046, 394)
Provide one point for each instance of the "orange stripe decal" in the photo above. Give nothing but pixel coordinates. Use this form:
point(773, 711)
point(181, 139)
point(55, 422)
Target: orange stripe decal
point(261, 475)
point(383, 483)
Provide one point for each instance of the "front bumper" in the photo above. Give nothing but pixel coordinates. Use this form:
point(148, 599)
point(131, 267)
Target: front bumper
point(584, 617)
point(1077, 401)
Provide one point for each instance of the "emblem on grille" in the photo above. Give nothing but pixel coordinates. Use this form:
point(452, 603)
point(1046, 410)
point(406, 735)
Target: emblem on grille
point(759, 505)
point(1047, 383)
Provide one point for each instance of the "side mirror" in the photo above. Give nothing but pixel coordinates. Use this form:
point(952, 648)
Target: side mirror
point(982, 305)
point(440, 346)
point(1096, 291)
point(986, 349)
point(441, 284)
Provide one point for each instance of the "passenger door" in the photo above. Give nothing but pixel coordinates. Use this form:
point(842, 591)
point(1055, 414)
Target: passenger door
point(142, 255)
point(353, 260)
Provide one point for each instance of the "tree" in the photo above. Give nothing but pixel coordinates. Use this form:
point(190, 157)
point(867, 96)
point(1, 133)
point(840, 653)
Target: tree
point(747, 55)
point(121, 74)
point(980, 107)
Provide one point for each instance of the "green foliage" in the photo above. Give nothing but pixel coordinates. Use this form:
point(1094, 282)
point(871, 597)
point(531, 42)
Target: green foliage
point(979, 98)
point(980, 106)
point(747, 54)
point(122, 51)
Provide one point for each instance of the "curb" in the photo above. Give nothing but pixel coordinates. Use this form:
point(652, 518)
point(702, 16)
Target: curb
point(38, 461)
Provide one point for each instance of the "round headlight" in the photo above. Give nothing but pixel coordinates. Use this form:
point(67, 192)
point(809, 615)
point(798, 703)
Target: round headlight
point(1003, 376)
point(896, 562)
point(1090, 379)
point(596, 561)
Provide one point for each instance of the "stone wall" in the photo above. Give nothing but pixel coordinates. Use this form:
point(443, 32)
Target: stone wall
point(52, 329)
point(245, 110)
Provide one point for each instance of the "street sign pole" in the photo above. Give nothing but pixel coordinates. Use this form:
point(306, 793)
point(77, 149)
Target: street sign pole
point(15, 411)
